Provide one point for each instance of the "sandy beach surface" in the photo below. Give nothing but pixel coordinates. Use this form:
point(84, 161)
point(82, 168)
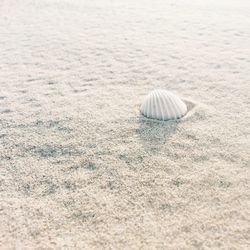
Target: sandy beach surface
point(80, 168)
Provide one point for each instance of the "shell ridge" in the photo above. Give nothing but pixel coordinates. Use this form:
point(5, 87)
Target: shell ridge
point(164, 98)
point(158, 93)
point(176, 107)
point(170, 107)
point(149, 104)
point(174, 99)
point(163, 106)
point(154, 106)
point(142, 108)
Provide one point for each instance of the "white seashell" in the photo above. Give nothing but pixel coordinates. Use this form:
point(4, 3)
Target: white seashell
point(163, 105)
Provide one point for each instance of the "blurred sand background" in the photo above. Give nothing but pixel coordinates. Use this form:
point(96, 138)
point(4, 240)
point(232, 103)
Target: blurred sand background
point(80, 168)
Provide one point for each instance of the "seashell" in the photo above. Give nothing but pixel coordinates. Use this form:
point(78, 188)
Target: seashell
point(163, 105)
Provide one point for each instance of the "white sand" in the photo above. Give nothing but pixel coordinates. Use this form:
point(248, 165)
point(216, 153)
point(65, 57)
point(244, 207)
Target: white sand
point(80, 168)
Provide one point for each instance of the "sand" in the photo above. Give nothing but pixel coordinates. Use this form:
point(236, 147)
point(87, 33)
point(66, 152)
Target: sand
point(80, 168)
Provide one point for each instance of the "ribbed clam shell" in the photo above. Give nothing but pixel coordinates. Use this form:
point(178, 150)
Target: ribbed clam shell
point(163, 105)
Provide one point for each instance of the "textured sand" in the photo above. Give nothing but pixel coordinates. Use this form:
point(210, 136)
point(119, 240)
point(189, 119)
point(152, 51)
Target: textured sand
point(80, 168)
